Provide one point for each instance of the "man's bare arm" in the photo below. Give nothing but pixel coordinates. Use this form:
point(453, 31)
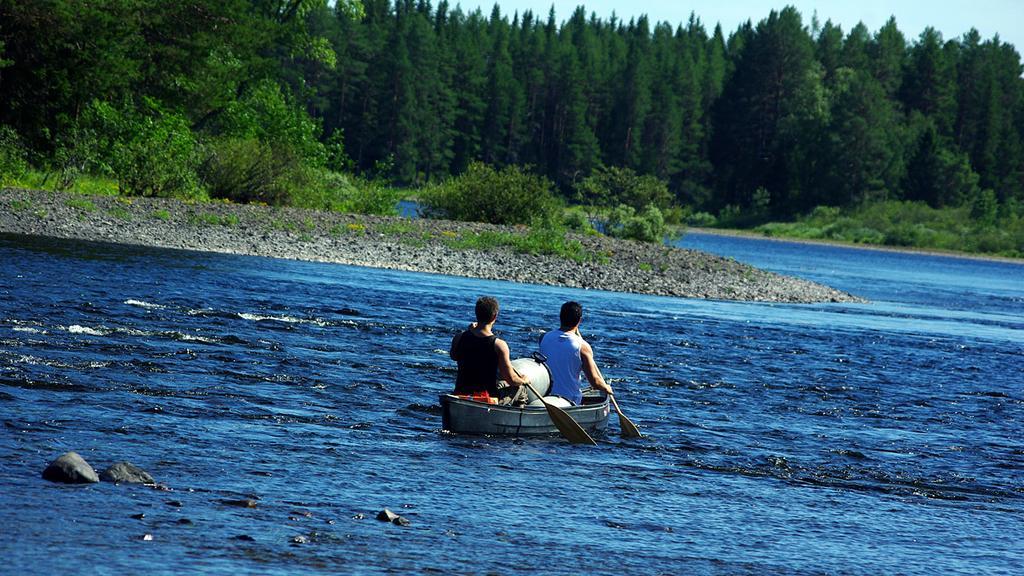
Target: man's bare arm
point(505, 369)
point(591, 371)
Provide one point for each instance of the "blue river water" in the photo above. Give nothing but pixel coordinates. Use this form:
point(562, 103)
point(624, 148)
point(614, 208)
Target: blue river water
point(880, 438)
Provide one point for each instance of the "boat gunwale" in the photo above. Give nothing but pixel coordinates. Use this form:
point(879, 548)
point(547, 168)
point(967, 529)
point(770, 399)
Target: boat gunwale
point(575, 409)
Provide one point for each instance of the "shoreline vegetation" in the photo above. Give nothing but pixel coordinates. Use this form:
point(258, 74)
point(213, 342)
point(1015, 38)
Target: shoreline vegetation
point(564, 136)
point(421, 245)
point(758, 234)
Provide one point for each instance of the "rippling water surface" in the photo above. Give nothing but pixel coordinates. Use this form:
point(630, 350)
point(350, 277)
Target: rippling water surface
point(786, 439)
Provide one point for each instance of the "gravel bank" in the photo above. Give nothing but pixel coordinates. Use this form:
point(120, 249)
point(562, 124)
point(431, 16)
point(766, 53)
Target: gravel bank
point(395, 243)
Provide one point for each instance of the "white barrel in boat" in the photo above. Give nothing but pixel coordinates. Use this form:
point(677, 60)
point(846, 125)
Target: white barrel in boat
point(553, 400)
point(538, 374)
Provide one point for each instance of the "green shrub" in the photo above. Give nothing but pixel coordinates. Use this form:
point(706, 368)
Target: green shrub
point(371, 197)
point(701, 220)
point(12, 157)
point(482, 194)
point(246, 170)
point(611, 186)
point(577, 220)
point(647, 226)
point(151, 151)
point(265, 114)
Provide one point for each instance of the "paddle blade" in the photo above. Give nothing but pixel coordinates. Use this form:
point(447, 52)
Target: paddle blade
point(569, 428)
point(626, 427)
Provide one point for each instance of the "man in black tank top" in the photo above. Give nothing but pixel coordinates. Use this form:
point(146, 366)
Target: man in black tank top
point(482, 356)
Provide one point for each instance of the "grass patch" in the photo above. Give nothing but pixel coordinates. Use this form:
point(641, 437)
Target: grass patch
point(120, 213)
point(164, 215)
point(417, 241)
point(396, 228)
point(210, 219)
point(83, 184)
point(20, 205)
point(536, 241)
point(81, 204)
point(644, 266)
point(284, 225)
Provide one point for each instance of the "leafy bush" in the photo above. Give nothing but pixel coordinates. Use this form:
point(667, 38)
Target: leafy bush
point(611, 186)
point(265, 114)
point(247, 170)
point(647, 226)
point(151, 151)
point(371, 197)
point(12, 156)
point(268, 151)
point(701, 220)
point(577, 220)
point(482, 194)
point(329, 190)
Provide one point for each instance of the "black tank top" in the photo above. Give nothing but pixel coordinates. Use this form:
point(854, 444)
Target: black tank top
point(478, 365)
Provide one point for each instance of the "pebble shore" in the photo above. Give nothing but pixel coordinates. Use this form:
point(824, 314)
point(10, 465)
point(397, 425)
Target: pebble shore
point(397, 243)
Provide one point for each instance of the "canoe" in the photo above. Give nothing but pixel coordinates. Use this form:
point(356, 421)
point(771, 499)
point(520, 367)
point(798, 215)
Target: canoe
point(465, 416)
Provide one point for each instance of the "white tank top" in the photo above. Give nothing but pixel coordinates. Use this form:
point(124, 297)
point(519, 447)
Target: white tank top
point(563, 352)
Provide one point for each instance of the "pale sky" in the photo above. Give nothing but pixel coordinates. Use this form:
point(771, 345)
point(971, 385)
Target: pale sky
point(950, 17)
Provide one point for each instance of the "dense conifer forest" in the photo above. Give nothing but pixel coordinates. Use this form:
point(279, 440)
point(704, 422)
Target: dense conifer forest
point(291, 101)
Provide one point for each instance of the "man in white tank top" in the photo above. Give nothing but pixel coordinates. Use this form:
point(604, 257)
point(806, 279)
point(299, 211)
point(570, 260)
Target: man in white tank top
point(570, 356)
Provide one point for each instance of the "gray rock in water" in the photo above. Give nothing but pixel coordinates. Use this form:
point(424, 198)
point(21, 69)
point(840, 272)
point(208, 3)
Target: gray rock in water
point(126, 473)
point(386, 515)
point(70, 468)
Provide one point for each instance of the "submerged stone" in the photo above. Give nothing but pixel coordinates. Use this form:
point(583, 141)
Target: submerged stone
point(386, 515)
point(70, 468)
point(246, 503)
point(126, 473)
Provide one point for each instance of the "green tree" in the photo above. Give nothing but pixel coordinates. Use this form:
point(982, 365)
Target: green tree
point(935, 174)
point(768, 119)
point(887, 53)
point(929, 86)
point(862, 158)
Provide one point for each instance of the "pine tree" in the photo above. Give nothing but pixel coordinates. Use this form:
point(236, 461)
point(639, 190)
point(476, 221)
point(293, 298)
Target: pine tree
point(829, 49)
point(862, 157)
point(766, 117)
point(930, 83)
point(501, 134)
point(887, 53)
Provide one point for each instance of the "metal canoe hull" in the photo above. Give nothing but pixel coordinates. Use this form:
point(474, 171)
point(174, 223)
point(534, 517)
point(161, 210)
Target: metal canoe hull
point(469, 417)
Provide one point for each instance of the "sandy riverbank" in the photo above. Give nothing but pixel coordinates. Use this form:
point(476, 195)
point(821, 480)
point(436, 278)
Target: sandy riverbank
point(395, 243)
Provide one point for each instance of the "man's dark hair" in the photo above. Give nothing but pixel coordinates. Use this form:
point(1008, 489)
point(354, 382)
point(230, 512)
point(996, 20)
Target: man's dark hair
point(486, 310)
point(570, 314)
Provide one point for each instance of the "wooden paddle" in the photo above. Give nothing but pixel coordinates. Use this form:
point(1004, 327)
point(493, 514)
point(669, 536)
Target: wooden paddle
point(626, 426)
point(569, 428)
